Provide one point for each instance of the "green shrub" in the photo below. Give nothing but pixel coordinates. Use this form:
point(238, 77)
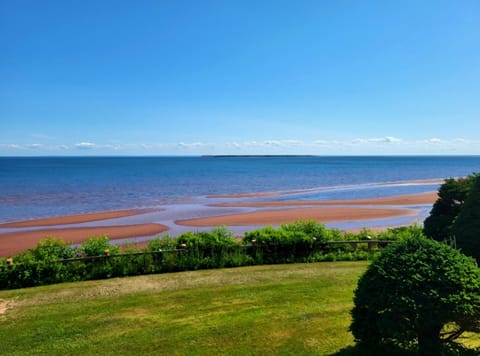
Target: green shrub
point(52, 249)
point(96, 246)
point(466, 227)
point(451, 197)
point(209, 249)
point(412, 291)
point(304, 241)
point(400, 233)
point(283, 245)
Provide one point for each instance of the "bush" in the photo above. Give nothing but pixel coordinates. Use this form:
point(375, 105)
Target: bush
point(451, 197)
point(466, 228)
point(304, 241)
point(97, 246)
point(210, 249)
point(52, 249)
point(283, 245)
point(412, 291)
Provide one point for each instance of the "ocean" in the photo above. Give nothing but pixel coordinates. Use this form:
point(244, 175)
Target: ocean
point(35, 187)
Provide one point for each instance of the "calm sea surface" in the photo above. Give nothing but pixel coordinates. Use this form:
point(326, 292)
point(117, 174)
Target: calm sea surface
point(52, 186)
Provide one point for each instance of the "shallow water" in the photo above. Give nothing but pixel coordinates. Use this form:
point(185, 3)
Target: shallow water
point(56, 186)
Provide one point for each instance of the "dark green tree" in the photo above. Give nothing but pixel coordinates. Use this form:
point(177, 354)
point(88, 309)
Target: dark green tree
point(411, 291)
point(466, 227)
point(451, 197)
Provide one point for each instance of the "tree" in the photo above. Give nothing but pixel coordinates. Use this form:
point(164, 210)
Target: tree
point(466, 227)
point(411, 291)
point(451, 197)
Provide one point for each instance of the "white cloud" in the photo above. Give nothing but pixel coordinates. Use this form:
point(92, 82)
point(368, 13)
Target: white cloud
point(34, 145)
point(360, 146)
point(235, 145)
point(387, 139)
point(392, 139)
point(85, 145)
point(10, 146)
point(193, 145)
point(273, 143)
point(268, 143)
point(435, 140)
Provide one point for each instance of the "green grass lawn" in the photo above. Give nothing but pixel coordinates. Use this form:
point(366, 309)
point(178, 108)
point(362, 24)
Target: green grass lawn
point(281, 309)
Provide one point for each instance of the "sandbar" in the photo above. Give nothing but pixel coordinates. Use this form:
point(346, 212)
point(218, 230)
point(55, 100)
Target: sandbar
point(76, 219)
point(269, 194)
point(16, 242)
point(407, 200)
point(277, 217)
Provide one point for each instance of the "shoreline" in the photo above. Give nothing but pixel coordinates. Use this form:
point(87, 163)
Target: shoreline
point(239, 216)
point(306, 190)
point(76, 218)
point(282, 216)
point(408, 199)
point(16, 242)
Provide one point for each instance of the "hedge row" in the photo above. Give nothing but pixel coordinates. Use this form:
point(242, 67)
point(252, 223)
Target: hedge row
point(54, 261)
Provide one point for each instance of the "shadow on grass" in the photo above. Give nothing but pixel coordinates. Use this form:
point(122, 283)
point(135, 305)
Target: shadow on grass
point(394, 350)
point(364, 350)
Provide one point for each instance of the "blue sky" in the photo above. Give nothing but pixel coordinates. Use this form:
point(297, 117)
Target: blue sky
point(239, 77)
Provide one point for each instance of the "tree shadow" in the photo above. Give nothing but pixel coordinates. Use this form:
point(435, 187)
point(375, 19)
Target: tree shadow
point(370, 350)
point(395, 350)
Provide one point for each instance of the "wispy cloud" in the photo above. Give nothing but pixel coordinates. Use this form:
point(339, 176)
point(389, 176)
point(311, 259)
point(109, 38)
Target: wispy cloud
point(11, 146)
point(372, 145)
point(85, 145)
point(194, 145)
point(34, 145)
point(387, 139)
point(435, 141)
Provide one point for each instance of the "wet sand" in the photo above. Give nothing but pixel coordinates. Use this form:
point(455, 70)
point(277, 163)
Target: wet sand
point(406, 200)
point(269, 194)
point(276, 217)
point(75, 219)
point(16, 242)
point(26, 234)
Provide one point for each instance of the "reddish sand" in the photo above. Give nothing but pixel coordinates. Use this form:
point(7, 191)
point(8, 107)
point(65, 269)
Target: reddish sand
point(276, 217)
point(16, 242)
point(332, 211)
point(409, 200)
point(76, 219)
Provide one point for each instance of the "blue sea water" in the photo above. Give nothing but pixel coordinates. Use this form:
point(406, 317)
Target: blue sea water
point(32, 187)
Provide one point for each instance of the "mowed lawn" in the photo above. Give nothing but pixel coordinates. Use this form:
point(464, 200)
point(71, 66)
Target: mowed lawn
point(281, 309)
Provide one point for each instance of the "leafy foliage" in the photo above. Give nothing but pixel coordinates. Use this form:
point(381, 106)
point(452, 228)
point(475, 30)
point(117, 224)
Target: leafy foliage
point(412, 291)
point(97, 246)
point(451, 197)
point(303, 241)
point(466, 227)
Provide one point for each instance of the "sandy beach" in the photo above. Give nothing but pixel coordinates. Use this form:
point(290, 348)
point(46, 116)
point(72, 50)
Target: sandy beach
point(76, 219)
point(124, 224)
point(276, 217)
point(410, 200)
point(16, 242)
